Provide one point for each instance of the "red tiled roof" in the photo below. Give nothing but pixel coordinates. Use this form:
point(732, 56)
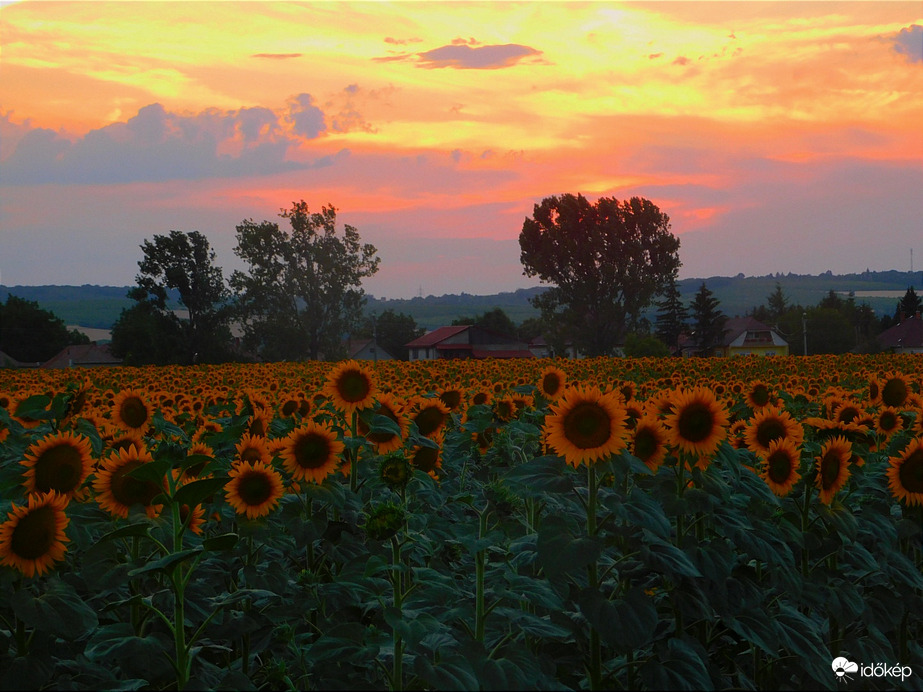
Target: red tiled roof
point(907, 334)
point(434, 337)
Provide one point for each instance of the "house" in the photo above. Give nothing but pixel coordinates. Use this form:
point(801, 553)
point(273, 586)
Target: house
point(366, 349)
point(905, 337)
point(84, 356)
point(542, 349)
point(745, 336)
point(466, 341)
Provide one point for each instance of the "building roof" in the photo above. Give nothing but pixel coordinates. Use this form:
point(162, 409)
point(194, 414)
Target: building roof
point(434, 337)
point(907, 334)
point(82, 354)
point(749, 331)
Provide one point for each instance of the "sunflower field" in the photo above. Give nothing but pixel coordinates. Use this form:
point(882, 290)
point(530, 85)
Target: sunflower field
point(464, 525)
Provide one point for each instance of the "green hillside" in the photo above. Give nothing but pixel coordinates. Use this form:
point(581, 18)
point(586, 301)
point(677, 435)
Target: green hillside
point(100, 306)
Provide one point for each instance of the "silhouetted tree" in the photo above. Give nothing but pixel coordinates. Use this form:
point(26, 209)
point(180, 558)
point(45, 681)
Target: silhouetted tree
point(392, 331)
point(31, 334)
point(145, 335)
point(302, 293)
point(708, 321)
point(184, 262)
point(672, 316)
point(908, 305)
point(495, 320)
point(605, 263)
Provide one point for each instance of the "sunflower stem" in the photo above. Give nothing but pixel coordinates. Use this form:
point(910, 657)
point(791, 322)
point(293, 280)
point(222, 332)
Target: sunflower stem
point(397, 673)
point(595, 667)
point(480, 566)
point(353, 454)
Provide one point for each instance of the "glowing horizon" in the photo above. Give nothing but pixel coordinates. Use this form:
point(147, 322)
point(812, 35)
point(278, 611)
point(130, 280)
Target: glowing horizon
point(777, 136)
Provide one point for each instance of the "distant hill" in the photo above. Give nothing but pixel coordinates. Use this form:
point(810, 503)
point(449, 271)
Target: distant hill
point(99, 307)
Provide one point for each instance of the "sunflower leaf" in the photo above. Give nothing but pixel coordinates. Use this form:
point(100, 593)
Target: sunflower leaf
point(221, 543)
point(58, 610)
point(167, 562)
point(193, 493)
point(138, 529)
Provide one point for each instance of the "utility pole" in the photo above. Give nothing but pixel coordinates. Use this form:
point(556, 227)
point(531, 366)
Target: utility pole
point(804, 331)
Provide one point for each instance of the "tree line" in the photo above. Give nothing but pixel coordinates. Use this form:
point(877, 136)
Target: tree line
point(300, 295)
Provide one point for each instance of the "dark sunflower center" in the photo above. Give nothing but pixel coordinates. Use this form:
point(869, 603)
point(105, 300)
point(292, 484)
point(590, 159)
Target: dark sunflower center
point(894, 393)
point(289, 407)
point(451, 398)
point(779, 467)
point(587, 426)
point(911, 472)
point(250, 454)
point(848, 414)
point(551, 383)
point(58, 468)
point(429, 420)
point(353, 386)
point(769, 430)
point(395, 472)
point(34, 534)
point(874, 390)
point(760, 395)
point(829, 469)
point(646, 444)
point(130, 491)
point(426, 458)
point(479, 398)
point(696, 422)
point(312, 451)
point(254, 488)
point(133, 412)
point(888, 421)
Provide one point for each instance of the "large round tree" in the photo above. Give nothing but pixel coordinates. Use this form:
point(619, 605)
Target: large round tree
point(605, 263)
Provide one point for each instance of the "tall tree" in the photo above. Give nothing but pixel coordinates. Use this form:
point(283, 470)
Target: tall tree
point(908, 305)
point(672, 316)
point(144, 335)
point(708, 321)
point(495, 320)
point(605, 262)
point(392, 331)
point(777, 304)
point(30, 334)
point(184, 262)
point(302, 294)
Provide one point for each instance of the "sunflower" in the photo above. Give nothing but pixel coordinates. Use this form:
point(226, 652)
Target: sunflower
point(258, 423)
point(254, 489)
point(888, 421)
point(780, 466)
point(832, 467)
point(768, 424)
point(848, 412)
point(894, 390)
point(385, 442)
point(60, 462)
point(311, 452)
point(430, 415)
point(905, 473)
point(758, 394)
point(253, 448)
point(351, 387)
point(428, 459)
point(452, 397)
point(648, 442)
point(586, 426)
point(117, 491)
point(194, 520)
point(552, 382)
point(132, 411)
point(698, 422)
point(32, 538)
point(874, 390)
point(504, 409)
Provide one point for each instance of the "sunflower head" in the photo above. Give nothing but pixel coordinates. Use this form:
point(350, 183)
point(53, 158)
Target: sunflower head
point(351, 387)
point(586, 425)
point(649, 442)
point(254, 488)
point(698, 422)
point(905, 473)
point(429, 414)
point(395, 471)
point(59, 462)
point(552, 382)
point(780, 466)
point(132, 411)
point(895, 389)
point(384, 521)
point(311, 452)
point(32, 538)
point(117, 490)
point(832, 467)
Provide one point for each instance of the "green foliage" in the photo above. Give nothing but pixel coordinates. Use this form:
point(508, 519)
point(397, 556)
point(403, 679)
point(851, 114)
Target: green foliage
point(707, 321)
point(392, 331)
point(644, 345)
point(301, 295)
point(30, 334)
point(604, 261)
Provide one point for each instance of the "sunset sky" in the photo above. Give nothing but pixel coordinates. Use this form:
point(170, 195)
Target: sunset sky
point(777, 136)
